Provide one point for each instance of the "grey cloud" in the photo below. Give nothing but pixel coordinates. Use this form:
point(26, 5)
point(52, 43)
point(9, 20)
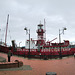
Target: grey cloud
point(28, 13)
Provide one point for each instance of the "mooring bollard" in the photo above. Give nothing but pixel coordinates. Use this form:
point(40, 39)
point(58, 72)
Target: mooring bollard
point(51, 73)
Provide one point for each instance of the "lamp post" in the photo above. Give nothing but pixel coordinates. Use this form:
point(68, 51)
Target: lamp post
point(60, 39)
point(19, 43)
point(0, 31)
point(28, 32)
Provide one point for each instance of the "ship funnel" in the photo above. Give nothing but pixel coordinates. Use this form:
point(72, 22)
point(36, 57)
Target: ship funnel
point(13, 45)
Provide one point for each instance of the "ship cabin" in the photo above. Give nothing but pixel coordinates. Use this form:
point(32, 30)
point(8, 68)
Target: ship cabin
point(49, 45)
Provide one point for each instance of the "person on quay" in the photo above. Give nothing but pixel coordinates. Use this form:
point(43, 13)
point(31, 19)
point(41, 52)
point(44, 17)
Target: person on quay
point(74, 55)
point(9, 54)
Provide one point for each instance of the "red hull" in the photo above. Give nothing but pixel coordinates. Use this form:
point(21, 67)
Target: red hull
point(34, 52)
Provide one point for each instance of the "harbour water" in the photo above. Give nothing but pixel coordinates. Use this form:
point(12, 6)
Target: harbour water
point(65, 66)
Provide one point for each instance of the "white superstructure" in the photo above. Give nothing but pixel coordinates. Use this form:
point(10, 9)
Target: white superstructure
point(32, 44)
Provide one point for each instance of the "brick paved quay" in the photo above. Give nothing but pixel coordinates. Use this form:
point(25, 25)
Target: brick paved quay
point(2, 59)
point(65, 66)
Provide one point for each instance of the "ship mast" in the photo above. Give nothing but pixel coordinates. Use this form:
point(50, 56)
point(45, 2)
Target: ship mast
point(45, 30)
point(6, 29)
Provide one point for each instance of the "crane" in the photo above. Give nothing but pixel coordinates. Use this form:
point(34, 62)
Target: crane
point(6, 29)
point(51, 40)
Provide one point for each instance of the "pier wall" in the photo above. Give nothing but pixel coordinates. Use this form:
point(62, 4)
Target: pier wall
point(15, 64)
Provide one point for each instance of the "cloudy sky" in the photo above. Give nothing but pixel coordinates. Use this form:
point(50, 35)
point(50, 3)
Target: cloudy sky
point(29, 13)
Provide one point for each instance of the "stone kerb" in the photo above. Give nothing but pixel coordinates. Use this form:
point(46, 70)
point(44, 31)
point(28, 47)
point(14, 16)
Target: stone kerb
point(4, 65)
point(20, 63)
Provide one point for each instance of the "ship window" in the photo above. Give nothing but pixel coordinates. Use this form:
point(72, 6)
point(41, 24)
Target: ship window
point(38, 27)
point(46, 48)
point(49, 47)
point(61, 47)
point(65, 47)
point(43, 47)
point(40, 47)
point(58, 49)
point(53, 47)
point(70, 46)
point(40, 42)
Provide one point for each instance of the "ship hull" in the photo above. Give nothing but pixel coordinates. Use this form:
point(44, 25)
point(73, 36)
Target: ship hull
point(43, 53)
